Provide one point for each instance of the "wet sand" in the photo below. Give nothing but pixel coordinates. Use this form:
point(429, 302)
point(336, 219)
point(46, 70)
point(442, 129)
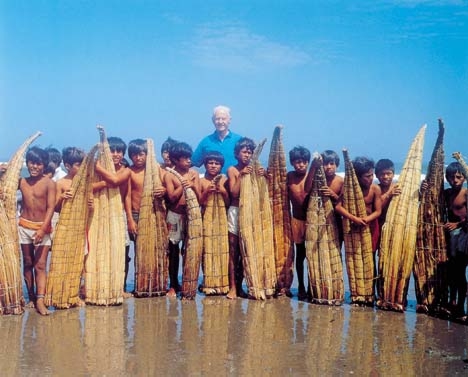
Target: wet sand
point(216, 336)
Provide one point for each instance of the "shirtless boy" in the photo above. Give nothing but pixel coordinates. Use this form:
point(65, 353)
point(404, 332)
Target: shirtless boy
point(364, 168)
point(243, 152)
point(299, 158)
point(38, 193)
point(385, 172)
point(456, 226)
point(213, 162)
point(120, 179)
point(180, 154)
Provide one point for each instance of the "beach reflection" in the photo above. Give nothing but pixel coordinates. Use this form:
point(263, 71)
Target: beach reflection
point(216, 336)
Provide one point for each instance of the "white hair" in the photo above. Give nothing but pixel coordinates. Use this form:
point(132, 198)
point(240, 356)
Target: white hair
point(223, 109)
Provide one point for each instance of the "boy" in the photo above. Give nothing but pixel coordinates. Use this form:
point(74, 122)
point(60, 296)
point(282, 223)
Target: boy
point(121, 180)
point(364, 168)
point(299, 158)
point(38, 192)
point(137, 151)
point(180, 154)
point(385, 172)
point(243, 151)
point(72, 159)
point(456, 226)
point(213, 163)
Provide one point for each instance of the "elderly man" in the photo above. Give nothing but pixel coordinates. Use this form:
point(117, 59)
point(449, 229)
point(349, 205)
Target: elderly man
point(222, 140)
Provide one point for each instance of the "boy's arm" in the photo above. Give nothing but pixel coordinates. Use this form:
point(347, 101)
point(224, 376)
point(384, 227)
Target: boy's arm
point(376, 204)
point(173, 193)
point(115, 179)
point(233, 182)
point(50, 206)
point(131, 224)
point(394, 190)
point(345, 213)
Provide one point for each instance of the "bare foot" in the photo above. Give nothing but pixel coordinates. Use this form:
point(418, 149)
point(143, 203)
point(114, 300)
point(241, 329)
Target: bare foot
point(127, 294)
point(41, 308)
point(81, 303)
point(231, 295)
point(171, 293)
point(30, 305)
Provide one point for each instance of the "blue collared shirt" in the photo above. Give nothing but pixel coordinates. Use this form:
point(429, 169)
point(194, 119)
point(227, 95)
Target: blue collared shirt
point(212, 143)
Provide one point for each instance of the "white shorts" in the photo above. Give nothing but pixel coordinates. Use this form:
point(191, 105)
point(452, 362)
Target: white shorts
point(176, 224)
point(26, 237)
point(233, 220)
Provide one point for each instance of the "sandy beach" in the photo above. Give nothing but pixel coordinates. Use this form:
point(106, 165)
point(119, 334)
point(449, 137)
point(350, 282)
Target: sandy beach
point(216, 337)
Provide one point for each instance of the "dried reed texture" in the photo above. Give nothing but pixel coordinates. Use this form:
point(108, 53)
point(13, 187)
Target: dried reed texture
point(323, 246)
point(457, 156)
point(105, 263)
point(256, 232)
point(67, 259)
point(430, 269)
point(9, 184)
point(215, 244)
point(194, 243)
point(282, 236)
point(151, 270)
point(11, 289)
point(398, 243)
point(357, 240)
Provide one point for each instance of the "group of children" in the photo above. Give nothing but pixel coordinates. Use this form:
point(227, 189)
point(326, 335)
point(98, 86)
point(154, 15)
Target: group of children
point(42, 196)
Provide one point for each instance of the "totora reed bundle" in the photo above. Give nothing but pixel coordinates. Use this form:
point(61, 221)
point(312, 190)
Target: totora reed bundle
point(357, 240)
point(193, 245)
point(256, 232)
point(215, 244)
point(11, 282)
point(104, 267)
point(67, 259)
point(430, 261)
point(398, 242)
point(280, 207)
point(151, 270)
point(323, 246)
point(9, 183)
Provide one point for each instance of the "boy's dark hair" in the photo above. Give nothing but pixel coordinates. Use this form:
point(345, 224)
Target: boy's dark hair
point(168, 143)
point(384, 164)
point(299, 153)
point(244, 142)
point(362, 165)
point(125, 163)
point(55, 156)
point(50, 169)
point(330, 156)
point(213, 155)
point(178, 150)
point(38, 156)
point(452, 169)
point(72, 155)
point(117, 144)
point(136, 146)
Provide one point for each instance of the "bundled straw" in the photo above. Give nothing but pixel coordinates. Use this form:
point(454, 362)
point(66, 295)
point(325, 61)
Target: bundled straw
point(357, 240)
point(323, 246)
point(67, 259)
point(11, 291)
point(104, 269)
point(215, 244)
point(398, 243)
point(430, 270)
point(282, 236)
point(11, 288)
point(9, 183)
point(457, 156)
point(151, 270)
point(256, 232)
point(194, 244)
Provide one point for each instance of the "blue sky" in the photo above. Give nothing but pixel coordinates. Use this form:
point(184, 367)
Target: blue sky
point(364, 75)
